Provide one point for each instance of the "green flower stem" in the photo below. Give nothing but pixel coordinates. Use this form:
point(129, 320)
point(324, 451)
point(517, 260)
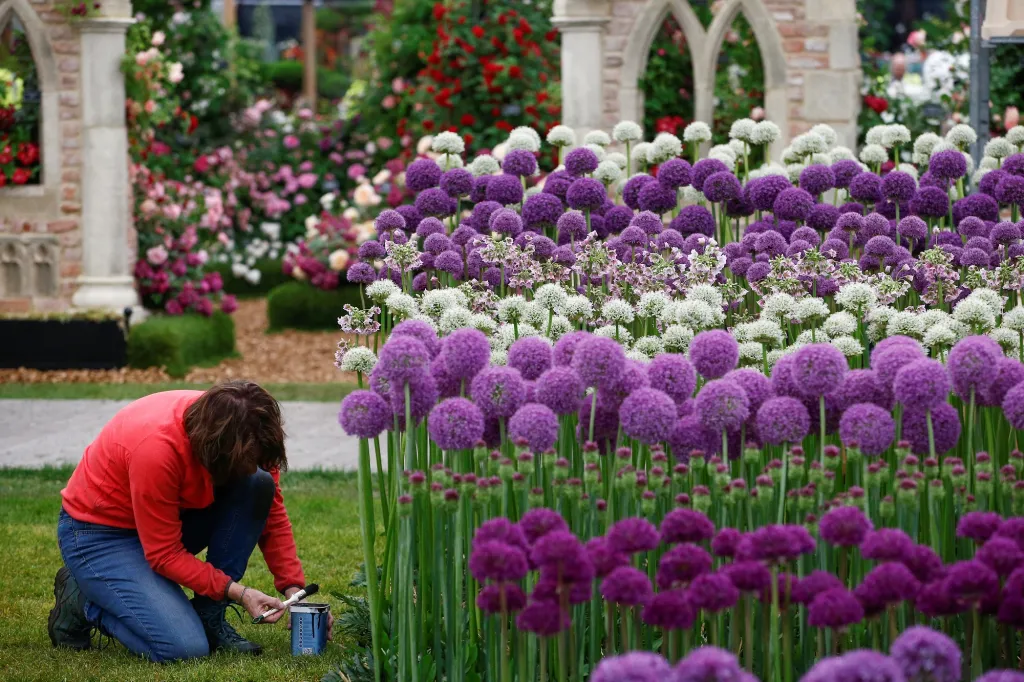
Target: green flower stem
point(369, 532)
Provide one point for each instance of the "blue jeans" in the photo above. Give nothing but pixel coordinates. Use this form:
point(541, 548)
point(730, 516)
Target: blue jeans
point(149, 614)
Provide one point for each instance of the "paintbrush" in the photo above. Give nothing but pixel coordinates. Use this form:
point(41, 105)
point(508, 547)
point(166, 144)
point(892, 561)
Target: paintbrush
point(307, 591)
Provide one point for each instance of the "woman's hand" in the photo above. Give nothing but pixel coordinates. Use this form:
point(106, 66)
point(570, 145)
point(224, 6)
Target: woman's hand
point(330, 616)
point(256, 603)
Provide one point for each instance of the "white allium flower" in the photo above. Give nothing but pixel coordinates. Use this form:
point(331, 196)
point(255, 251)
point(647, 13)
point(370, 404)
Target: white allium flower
point(934, 316)
point(975, 313)
point(993, 299)
point(621, 334)
point(448, 161)
point(499, 357)
point(908, 168)
point(742, 129)
point(617, 311)
point(1015, 135)
point(897, 134)
point(707, 293)
point(665, 146)
point(1007, 339)
point(808, 144)
point(939, 336)
point(821, 160)
point(848, 346)
point(827, 133)
point(698, 315)
point(454, 318)
point(528, 132)
point(793, 172)
point(637, 356)
point(562, 136)
point(380, 290)
point(774, 356)
point(697, 132)
point(765, 132)
point(512, 309)
point(640, 153)
point(627, 131)
point(426, 319)
point(878, 320)
point(729, 159)
point(677, 338)
point(578, 308)
point(725, 150)
point(550, 296)
point(435, 301)
point(763, 332)
point(979, 174)
point(689, 195)
point(598, 150)
point(652, 304)
point(970, 165)
point(485, 323)
point(925, 143)
point(649, 346)
point(448, 143)
point(841, 323)
point(805, 337)
point(842, 154)
point(484, 164)
point(790, 155)
point(530, 191)
point(523, 141)
point(773, 169)
point(874, 154)
point(618, 158)
point(608, 172)
point(904, 323)
point(358, 359)
point(999, 148)
point(856, 296)
point(942, 146)
point(401, 305)
point(751, 353)
point(876, 135)
point(810, 310)
point(1014, 318)
point(738, 147)
point(598, 137)
point(559, 326)
point(535, 314)
point(989, 163)
point(962, 136)
point(778, 307)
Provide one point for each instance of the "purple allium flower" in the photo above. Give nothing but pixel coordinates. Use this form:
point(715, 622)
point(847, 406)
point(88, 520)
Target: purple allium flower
point(863, 386)
point(631, 191)
point(724, 544)
point(722, 405)
point(793, 204)
point(721, 186)
point(845, 171)
point(581, 161)
point(501, 597)
point(714, 353)
point(617, 218)
point(694, 219)
point(924, 563)
point(535, 423)
point(948, 165)
point(1001, 676)
point(817, 179)
point(531, 355)
point(990, 182)
point(1013, 406)
point(782, 420)
point(505, 189)
point(669, 610)
point(648, 415)
point(980, 206)
point(912, 227)
point(925, 655)
point(372, 250)
point(690, 434)
point(1002, 555)
point(465, 352)
point(756, 385)
point(598, 360)
point(419, 330)
point(817, 369)
point(973, 364)
point(866, 188)
point(887, 360)
point(657, 198)
point(560, 388)
point(844, 526)
point(497, 561)
point(946, 426)
point(823, 217)
point(922, 385)
point(538, 522)
point(455, 424)
point(710, 664)
point(542, 210)
point(437, 242)
point(686, 525)
point(632, 535)
point(879, 247)
point(647, 221)
point(673, 374)
point(806, 234)
point(586, 193)
point(886, 544)
point(836, 609)
point(970, 582)
point(713, 592)
point(748, 576)
point(361, 273)
point(626, 585)
point(835, 249)
point(674, 173)
point(500, 529)
point(505, 221)
point(402, 359)
point(450, 262)
point(434, 202)
point(519, 162)
point(930, 202)
point(771, 543)
point(604, 557)
point(498, 391)
point(573, 225)
point(935, 601)
point(637, 666)
point(423, 395)
point(899, 186)
point(422, 174)
point(681, 565)
point(481, 217)
point(558, 548)
point(889, 583)
point(634, 236)
point(807, 588)
point(978, 526)
point(551, 588)
point(544, 618)
point(771, 243)
point(606, 420)
point(364, 414)
point(1005, 233)
point(704, 169)
point(479, 191)
point(457, 182)
point(764, 191)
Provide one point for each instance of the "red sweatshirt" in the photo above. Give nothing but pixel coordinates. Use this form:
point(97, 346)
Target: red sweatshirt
point(140, 473)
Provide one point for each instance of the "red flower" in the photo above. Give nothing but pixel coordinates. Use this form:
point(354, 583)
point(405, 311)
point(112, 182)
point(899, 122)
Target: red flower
point(193, 123)
point(478, 31)
point(876, 104)
point(21, 176)
point(6, 156)
point(201, 165)
point(551, 35)
point(428, 125)
point(28, 153)
point(438, 11)
point(3, 179)
point(502, 19)
point(468, 139)
point(515, 72)
point(468, 120)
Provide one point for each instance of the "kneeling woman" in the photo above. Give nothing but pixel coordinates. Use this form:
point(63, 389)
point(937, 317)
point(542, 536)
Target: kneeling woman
point(170, 475)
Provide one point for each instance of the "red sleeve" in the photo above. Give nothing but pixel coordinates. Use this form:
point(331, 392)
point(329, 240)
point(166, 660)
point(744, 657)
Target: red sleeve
point(154, 477)
point(278, 544)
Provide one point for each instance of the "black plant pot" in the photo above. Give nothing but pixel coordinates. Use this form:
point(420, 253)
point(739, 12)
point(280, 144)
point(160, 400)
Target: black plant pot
point(62, 344)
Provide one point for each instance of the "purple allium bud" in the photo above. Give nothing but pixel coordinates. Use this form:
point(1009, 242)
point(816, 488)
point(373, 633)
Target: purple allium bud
point(581, 161)
point(637, 666)
point(505, 190)
point(970, 582)
point(978, 526)
point(498, 391)
point(818, 369)
point(604, 557)
point(834, 608)
point(681, 565)
point(782, 420)
point(713, 592)
point(973, 363)
point(598, 360)
point(501, 597)
point(455, 424)
point(633, 535)
point(544, 618)
point(922, 384)
point(714, 353)
point(844, 527)
point(948, 165)
point(538, 522)
point(793, 204)
point(626, 585)
point(402, 359)
point(869, 426)
point(886, 544)
point(722, 405)
point(497, 561)
point(724, 544)
point(364, 414)
point(710, 664)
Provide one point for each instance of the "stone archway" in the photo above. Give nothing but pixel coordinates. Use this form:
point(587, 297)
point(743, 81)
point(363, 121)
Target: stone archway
point(809, 49)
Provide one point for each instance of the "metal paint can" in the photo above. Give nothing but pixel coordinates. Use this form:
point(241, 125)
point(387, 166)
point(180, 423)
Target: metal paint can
point(309, 628)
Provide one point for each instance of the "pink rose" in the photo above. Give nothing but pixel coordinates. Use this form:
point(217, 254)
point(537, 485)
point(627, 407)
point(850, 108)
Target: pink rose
point(384, 143)
point(172, 307)
point(229, 304)
point(917, 38)
point(389, 102)
point(291, 141)
point(157, 255)
point(397, 85)
point(149, 106)
point(300, 199)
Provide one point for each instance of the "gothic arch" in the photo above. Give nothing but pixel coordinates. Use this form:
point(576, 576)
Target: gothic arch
point(638, 46)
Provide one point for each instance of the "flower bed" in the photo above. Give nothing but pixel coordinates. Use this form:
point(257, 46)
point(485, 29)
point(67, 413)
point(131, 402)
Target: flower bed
point(649, 405)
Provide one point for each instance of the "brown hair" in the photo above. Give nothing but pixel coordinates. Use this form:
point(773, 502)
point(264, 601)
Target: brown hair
point(234, 427)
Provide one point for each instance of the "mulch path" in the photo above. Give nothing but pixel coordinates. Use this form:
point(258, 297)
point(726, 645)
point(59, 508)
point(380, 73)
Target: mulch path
point(283, 357)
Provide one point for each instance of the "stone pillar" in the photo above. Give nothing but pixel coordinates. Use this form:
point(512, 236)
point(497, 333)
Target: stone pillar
point(582, 72)
point(309, 53)
point(106, 280)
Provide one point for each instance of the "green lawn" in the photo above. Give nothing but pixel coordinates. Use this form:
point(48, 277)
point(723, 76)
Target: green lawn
point(323, 511)
point(321, 393)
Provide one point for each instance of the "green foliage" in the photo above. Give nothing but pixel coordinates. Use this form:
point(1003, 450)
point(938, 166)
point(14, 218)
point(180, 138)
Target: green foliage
point(160, 12)
point(180, 342)
point(271, 277)
point(285, 74)
point(298, 305)
point(331, 85)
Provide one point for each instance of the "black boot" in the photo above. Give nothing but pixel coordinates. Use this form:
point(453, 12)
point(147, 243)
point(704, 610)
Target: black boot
point(220, 634)
point(67, 625)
